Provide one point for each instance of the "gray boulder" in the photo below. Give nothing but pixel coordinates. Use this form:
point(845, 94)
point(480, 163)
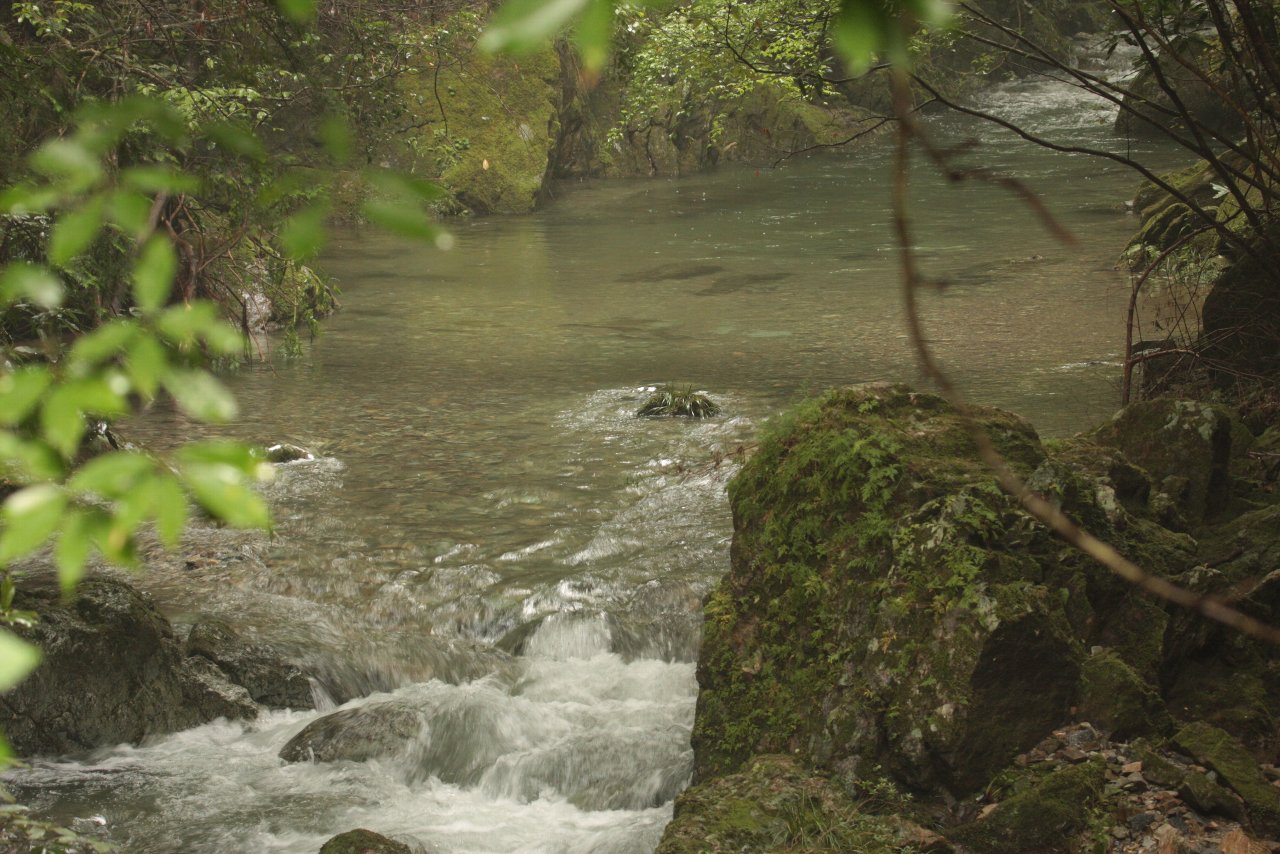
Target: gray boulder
point(356, 735)
point(361, 841)
point(113, 672)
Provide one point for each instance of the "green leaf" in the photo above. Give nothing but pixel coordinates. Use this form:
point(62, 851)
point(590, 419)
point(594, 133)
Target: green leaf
point(186, 324)
point(153, 273)
point(30, 515)
point(171, 510)
point(17, 659)
point(102, 344)
point(62, 421)
point(146, 363)
point(593, 33)
point(158, 179)
point(298, 11)
point(20, 391)
point(524, 25)
point(861, 31)
point(72, 551)
point(29, 459)
point(201, 396)
point(32, 282)
point(237, 140)
point(75, 230)
point(130, 211)
point(62, 416)
point(401, 186)
point(68, 160)
point(219, 452)
point(303, 233)
point(25, 199)
point(221, 489)
point(112, 475)
point(336, 137)
point(401, 220)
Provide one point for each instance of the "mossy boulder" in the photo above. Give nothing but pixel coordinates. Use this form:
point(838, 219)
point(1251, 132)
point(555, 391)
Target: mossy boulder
point(885, 606)
point(1042, 818)
point(483, 125)
point(264, 672)
point(1149, 112)
point(774, 804)
point(1187, 448)
point(361, 841)
point(1225, 756)
point(1118, 701)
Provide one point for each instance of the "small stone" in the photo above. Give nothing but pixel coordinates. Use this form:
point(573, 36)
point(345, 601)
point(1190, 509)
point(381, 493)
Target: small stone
point(1074, 754)
point(1131, 768)
point(1143, 820)
point(1120, 832)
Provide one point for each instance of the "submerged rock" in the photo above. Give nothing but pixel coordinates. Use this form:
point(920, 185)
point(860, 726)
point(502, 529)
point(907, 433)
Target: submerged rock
point(356, 735)
point(679, 402)
point(286, 453)
point(361, 841)
point(113, 671)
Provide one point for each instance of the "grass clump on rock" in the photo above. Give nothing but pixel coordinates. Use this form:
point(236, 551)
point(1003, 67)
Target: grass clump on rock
point(678, 402)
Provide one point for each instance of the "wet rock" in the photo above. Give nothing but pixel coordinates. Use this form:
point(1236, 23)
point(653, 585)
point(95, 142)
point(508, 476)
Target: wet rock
point(1041, 818)
point(356, 735)
point(113, 672)
point(1225, 756)
point(1186, 446)
point(773, 804)
point(286, 453)
point(361, 841)
point(265, 674)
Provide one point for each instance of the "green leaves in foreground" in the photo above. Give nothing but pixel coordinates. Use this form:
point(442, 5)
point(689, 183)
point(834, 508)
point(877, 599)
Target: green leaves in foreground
point(864, 29)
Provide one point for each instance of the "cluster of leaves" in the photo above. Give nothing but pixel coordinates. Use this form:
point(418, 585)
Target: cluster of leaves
point(173, 145)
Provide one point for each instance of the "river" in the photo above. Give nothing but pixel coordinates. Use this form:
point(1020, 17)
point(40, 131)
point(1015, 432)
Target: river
point(491, 535)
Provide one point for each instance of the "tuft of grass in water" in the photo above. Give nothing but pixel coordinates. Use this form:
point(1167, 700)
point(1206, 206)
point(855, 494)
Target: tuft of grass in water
point(678, 401)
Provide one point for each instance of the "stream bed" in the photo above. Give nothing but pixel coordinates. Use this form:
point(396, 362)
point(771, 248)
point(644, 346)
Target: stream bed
point(489, 534)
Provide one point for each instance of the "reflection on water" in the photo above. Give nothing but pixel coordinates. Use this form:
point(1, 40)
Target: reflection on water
point(492, 538)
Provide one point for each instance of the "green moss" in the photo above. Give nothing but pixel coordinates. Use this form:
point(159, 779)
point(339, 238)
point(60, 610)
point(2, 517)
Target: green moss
point(1221, 753)
point(483, 125)
point(1042, 818)
point(773, 804)
point(1115, 699)
point(882, 585)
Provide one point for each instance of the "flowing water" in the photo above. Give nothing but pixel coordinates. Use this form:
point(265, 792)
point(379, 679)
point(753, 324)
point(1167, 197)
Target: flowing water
point(490, 537)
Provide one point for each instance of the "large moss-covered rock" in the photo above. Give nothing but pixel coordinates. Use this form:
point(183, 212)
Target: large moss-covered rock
point(1042, 818)
point(885, 606)
point(774, 804)
point(1225, 756)
point(113, 672)
point(1118, 701)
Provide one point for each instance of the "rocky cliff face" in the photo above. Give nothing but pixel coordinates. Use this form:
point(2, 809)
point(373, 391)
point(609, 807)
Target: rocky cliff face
point(892, 619)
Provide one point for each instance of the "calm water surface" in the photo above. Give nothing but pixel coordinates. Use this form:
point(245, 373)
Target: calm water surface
point(491, 536)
